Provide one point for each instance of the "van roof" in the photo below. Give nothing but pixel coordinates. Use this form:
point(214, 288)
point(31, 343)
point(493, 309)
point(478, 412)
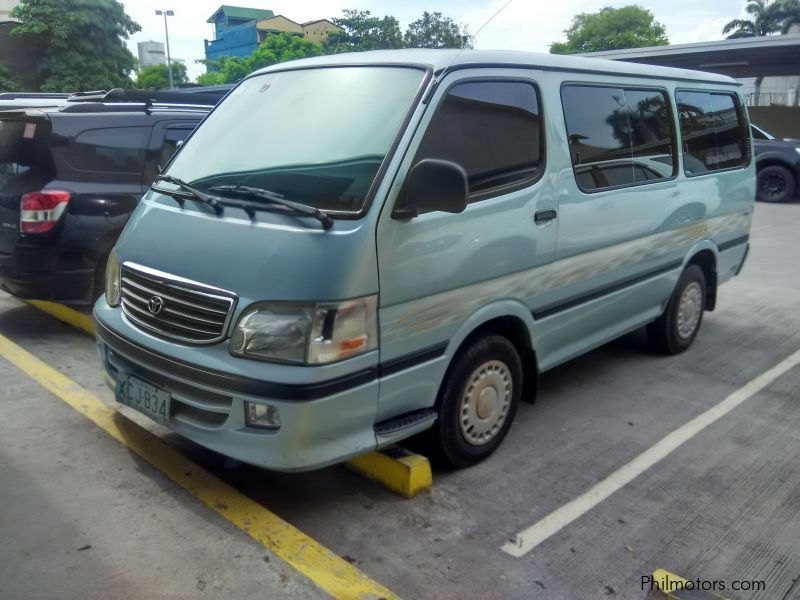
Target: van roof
point(440, 59)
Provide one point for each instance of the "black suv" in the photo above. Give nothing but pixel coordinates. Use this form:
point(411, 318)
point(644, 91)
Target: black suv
point(778, 166)
point(71, 175)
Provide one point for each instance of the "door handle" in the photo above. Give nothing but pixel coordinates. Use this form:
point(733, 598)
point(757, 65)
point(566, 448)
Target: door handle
point(543, 216)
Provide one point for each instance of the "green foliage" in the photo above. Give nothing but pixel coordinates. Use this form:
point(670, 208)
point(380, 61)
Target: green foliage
point(767, 17)
point(8, 80)
point(790, 10)
point(433, 30)
point(276, 48)
point(79, 43)
point(612, 29)
point(156, 77)
point(362, 31)
point(280, 47)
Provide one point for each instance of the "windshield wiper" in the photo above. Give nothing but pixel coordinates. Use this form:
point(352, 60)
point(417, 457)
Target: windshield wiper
point(189, 190)
point(276, 198)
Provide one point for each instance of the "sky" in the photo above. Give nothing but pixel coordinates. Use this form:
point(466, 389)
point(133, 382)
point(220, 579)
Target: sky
point(524, 25)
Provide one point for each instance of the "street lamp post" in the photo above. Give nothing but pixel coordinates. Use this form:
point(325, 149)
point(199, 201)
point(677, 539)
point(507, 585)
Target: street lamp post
point(167, 13)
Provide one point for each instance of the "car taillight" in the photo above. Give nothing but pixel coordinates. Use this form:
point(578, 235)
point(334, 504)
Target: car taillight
point(40, 211)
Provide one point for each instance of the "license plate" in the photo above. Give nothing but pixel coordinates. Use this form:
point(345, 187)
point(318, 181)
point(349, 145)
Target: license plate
point(144, 397)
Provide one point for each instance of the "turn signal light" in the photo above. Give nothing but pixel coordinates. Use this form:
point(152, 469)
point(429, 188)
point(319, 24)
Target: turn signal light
point(40, 211)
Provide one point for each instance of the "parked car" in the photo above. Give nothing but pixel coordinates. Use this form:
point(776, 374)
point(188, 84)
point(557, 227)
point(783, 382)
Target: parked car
point(71, 175)
point(353, 249)
point(778, 166)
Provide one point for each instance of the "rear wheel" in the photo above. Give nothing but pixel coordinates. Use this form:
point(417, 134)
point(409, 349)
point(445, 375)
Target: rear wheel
point(478, 401)
point(775, 184)
point(675, 330)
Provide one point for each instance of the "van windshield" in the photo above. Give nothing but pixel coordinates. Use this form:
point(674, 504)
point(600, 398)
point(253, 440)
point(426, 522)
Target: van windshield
point(316, 136)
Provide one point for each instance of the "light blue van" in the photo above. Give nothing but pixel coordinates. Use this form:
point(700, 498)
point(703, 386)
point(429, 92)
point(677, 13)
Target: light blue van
point(357, 248)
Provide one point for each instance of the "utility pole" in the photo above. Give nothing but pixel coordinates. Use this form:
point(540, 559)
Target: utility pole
point(167, 13)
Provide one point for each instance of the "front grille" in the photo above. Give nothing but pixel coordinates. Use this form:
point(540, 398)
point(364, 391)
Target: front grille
point(175, 308)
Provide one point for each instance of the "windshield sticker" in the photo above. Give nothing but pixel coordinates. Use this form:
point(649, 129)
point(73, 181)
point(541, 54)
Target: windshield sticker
point(30, 131)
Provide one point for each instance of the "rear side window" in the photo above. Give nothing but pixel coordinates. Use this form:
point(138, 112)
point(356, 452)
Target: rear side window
point(493, 130)
point(119, 149)
point(618, 136)
point(24, 153)
point(168, 147)
point(712, 132)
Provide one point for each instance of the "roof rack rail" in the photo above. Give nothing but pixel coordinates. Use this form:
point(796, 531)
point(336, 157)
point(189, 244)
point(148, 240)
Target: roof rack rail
point(87, 96)
point(147, 97)
point(32, 95)
point(145, 107)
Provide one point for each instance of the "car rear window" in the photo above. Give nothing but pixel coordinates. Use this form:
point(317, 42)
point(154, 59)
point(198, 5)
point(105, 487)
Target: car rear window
point(24, 153)
point(118, 149)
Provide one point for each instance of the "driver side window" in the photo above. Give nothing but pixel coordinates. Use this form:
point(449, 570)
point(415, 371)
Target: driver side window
point(493, 130)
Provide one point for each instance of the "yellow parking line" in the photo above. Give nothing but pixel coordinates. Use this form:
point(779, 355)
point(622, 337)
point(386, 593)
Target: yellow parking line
point(331, 573)
point(70, 316)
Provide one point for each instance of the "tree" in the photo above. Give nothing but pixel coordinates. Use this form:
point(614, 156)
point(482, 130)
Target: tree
point(8, 79)
point(79, 43)
point(432, 30)
point(767, 18)
point(276, 48)
point(362, 31)
point(156, 77)
point(280, 47)
point(612, 29)
point(790, 11)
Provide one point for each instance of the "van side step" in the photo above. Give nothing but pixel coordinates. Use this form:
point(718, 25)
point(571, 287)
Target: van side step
point(405, 421)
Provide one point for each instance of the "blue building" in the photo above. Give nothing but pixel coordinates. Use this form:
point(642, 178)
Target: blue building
point(235, 31)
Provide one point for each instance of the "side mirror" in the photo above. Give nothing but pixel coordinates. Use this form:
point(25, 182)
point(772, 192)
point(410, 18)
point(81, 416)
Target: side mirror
point(434, 185)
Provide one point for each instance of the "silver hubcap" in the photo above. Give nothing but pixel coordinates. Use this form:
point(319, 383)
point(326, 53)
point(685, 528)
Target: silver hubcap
point(690, 309)
point(485, 402)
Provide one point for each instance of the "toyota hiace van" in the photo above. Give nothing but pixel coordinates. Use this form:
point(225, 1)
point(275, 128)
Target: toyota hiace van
point(353, 249)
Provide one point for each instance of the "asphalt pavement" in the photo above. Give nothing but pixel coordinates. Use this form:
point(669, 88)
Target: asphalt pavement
point(81, 515)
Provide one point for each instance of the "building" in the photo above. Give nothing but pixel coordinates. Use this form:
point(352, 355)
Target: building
point(238, 31)
point(235, 31)
point(151, 53)
point(316, 31)
point(768, 68)
point(5, 9)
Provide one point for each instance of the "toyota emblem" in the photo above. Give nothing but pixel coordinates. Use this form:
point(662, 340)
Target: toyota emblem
point(155, 304)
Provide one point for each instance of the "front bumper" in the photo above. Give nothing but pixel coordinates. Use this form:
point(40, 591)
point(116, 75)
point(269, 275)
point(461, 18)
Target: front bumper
point(321, 424)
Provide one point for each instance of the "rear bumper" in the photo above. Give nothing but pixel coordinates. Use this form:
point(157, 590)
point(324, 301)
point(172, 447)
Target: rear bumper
point(321, 424)
point(33, 273)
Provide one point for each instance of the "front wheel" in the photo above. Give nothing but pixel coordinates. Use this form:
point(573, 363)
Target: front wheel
point(478, 401)
point(675, 330)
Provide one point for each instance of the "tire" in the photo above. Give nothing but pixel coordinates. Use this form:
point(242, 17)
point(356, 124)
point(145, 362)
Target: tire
point(472, 417)
point(775, 184)
point(674, 331)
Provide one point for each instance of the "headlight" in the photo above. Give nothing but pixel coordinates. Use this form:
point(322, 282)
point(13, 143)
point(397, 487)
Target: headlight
point(312, 334)
point(113, 279)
